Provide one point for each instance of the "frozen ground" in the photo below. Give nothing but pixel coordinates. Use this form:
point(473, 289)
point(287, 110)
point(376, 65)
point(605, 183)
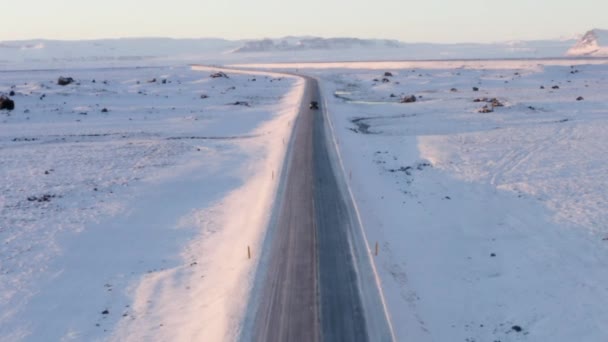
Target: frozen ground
point(127, 224)
point(491, 227)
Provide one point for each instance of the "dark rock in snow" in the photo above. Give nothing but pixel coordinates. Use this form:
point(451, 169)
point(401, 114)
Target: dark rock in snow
point(388, 74)
point(453, 90)
point(486, 109)
point(517, 328)
point(496, 103)
point(475, 89)
point(64, 81)
point(105, 312)
point(204, 96)
point(580, 98)
point(219, 74)
point(408, 99)
point(542, 87)
point(6, 103)
point(241, 103)
point(12, 93)
point(105, 110)
point(555, 87)
point(385, 80)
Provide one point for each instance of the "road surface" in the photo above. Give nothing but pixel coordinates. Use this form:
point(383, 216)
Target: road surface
point(310, 288)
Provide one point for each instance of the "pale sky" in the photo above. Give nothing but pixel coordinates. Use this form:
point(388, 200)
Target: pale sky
point(411, 21)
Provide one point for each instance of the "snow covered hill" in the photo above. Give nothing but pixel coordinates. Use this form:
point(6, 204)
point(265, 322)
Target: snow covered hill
point(594, 43)
point(43, 53)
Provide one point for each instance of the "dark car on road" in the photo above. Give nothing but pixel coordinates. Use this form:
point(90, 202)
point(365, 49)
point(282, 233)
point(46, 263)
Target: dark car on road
point(314, 105)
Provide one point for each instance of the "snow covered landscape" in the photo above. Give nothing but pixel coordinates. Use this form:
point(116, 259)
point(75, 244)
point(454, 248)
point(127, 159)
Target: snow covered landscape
point(121, 192)
point(43, 54)
point(141, 180)
point(491, 226)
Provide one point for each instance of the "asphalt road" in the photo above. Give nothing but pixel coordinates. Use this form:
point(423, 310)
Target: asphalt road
point(310, 289)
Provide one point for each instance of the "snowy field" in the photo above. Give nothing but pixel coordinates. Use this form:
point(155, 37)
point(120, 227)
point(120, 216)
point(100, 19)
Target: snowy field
point(123, 195)
point(491, 226)
point(129, 197)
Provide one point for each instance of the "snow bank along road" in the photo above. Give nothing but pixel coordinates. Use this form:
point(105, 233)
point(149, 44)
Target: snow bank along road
point(316, 280)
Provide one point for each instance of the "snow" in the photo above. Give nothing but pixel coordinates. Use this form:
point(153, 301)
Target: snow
point(150, 206)
point(487, 223)
point(594, 43)
point(484, 221)
point(138, 52)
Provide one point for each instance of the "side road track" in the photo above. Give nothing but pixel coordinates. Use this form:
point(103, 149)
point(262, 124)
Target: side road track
point(316, 281)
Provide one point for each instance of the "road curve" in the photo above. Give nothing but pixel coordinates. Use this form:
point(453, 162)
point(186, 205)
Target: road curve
point(311, 285)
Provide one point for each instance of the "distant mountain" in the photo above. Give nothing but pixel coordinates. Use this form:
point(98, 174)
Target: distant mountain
point(314, 43)
point(342, 48)
point(167, 51)
point(594, 44)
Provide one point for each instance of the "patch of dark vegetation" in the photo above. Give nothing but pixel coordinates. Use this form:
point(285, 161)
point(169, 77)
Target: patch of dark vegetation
point(42, 198)
point(24, 139)
point(408, 169)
